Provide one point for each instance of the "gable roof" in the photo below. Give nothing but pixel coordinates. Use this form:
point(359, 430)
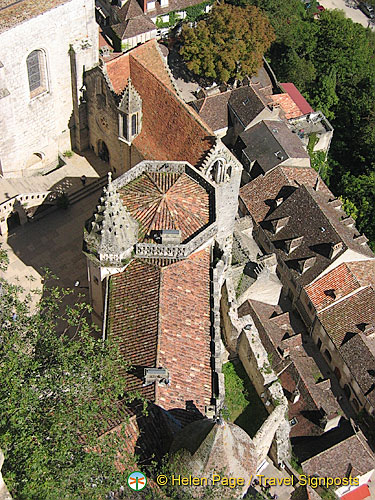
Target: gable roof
point(311, 217)
point(160, 317)
point(270, 143)
point(133, 27)
point(13, 12)
point(246, 104)
point(259, 194)
point(129, 10)
point(213, 110)
point(352, 455)
point(170, 128)
point(287, 105)
point(297, 97)
point(341, 281)
point(166, 201)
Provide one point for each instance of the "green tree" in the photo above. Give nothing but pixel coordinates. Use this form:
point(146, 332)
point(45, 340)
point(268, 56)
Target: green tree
point(229, 43)
point(58, 394)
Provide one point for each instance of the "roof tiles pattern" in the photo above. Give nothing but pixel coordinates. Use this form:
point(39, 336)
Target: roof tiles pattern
point(166, 201)
point(13, 12)
point(288, 106)
point(160, 316)
point(171, 130)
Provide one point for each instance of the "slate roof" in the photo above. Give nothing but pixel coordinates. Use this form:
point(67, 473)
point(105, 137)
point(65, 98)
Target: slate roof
point(351, 456)
point(341, 281)
point(259, 194)
point(246, 104)
point(270, 143)
point(166, 201)
point(129, 10)
point(310, 216)
point(297, 97)
point(16, 12)
point(160, 316)
point(170, 128)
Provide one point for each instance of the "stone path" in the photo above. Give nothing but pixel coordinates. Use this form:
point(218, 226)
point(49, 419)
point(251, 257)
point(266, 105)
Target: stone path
point(66, 178)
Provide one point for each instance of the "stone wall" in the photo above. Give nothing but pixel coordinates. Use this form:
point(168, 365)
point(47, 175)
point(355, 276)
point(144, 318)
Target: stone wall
point(103, 123)
point(42, 124)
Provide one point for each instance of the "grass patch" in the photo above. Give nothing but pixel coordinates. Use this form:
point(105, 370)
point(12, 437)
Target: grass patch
point(245, 408)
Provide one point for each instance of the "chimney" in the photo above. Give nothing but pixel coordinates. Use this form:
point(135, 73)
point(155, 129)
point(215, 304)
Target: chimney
point(360, 239)
point(295, 396)
point(335, 249)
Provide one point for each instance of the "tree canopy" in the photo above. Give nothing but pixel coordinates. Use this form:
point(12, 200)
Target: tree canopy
point(229, 43)
point(58, 394)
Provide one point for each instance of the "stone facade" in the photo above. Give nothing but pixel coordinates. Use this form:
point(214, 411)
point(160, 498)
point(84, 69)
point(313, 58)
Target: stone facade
point(35, 128)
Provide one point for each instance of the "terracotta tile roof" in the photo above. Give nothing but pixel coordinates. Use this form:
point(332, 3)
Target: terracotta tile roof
point(184, 344)
point(332, 286)
point(287, 105)
point(175, 134)
point(15, 12)
point(364, 271)
point(166, 201)
point(161, 317)
point(258, 194)
point(118, 71)
point(133, 319)
point(297, 97)
point(336, 461)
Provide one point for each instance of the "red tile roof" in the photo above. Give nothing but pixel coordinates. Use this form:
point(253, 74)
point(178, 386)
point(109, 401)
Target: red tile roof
point(160, 316)
point(297, 97)
point(288, 106)
point(166, 201)
point(359, 493)
point(171, 130)
point(332, 286)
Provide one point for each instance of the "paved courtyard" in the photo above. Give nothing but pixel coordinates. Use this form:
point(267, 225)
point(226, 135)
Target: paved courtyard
point(53, 242)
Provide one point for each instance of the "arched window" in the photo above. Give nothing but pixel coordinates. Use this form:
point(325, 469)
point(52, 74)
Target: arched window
point(36, 72)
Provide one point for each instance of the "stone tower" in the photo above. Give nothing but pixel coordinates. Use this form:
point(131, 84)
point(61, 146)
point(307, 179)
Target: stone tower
point(109, 238)
point(130, 114)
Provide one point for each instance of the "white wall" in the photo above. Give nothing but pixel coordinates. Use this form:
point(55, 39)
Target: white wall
point(42, 124)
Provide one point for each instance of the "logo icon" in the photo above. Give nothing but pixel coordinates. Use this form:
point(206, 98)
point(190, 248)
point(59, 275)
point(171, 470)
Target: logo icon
point(137, 481)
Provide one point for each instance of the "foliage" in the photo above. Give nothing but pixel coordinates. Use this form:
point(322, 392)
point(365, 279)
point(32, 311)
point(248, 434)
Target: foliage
point(193, 12)
point(243, 404)
point(229, 43)
point(68, 154)
point(320, 164)
point(58, 394)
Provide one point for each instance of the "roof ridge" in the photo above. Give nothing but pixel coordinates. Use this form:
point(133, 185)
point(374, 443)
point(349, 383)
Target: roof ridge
point(357, 290)
point(181, 103)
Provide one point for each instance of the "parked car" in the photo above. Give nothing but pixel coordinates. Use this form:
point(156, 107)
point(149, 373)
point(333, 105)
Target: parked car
point(367, 9)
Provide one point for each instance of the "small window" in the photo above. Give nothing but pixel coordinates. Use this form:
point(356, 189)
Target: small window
point(293, 421)
point(134, 125)
point(96, 281)
point(319, 344)
point(125, 126)
point(328, 355)
point(36, 72)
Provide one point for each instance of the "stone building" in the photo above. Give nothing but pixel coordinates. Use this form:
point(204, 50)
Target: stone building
point(134, 113)
point(40, 80)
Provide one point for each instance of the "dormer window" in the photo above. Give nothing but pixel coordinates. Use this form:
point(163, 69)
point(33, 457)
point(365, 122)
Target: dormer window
point(130, 114)
point(128, 126)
